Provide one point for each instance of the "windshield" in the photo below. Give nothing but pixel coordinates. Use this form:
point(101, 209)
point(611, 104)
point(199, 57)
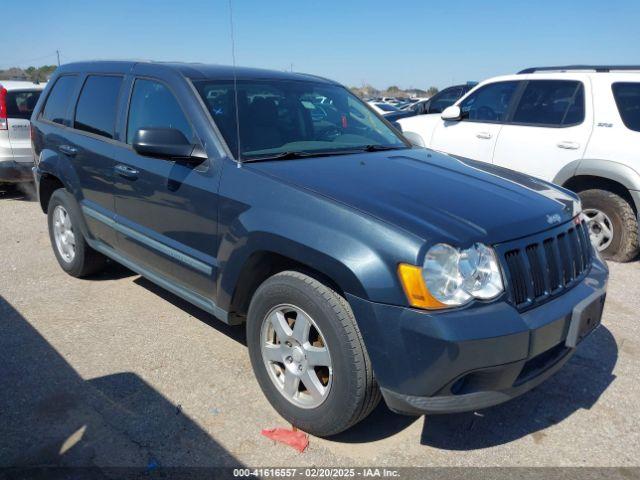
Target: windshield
point(278, 117)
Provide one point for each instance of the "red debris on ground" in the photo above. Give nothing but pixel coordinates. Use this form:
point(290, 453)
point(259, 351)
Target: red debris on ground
point(294, 438)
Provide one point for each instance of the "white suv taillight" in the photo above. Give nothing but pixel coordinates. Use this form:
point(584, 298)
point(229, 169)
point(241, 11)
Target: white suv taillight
point(3, 108)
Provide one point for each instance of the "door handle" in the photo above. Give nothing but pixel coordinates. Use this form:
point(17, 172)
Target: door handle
point(126, 172)
point(68, 150)
point(484, 135)
point(569, 145)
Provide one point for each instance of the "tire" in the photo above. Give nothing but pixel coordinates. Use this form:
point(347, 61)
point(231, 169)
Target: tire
point(353, 392)
point(85, 260)
point(624, 245)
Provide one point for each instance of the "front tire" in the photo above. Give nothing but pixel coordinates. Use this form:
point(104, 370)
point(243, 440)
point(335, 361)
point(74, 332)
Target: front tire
point(73, 253)
point(613, 225)
point(308, 354)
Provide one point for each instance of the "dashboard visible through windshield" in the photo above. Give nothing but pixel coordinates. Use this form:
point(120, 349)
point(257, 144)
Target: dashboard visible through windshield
point(283, 118)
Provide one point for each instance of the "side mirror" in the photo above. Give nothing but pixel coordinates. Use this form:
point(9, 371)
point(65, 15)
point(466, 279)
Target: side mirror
point(166, 143)
point(452, 113)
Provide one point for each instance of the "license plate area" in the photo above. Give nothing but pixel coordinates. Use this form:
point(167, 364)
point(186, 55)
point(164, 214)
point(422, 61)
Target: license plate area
point(585, 318)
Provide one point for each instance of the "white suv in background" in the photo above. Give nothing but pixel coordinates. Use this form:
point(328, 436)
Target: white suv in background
point(576, 126)
point(17, 100)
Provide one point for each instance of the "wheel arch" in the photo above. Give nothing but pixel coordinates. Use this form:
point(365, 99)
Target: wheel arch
point(602, 174)
point(46, 186)
point(261, 265)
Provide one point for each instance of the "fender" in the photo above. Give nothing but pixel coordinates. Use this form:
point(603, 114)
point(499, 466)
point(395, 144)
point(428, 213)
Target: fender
point(611, 170)
point(339, 245)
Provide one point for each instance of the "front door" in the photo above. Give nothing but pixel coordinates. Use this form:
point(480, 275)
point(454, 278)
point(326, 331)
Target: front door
point(474, 135)
point(166, 211)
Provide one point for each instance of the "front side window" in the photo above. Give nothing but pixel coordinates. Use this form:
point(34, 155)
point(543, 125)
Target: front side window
point(489, 103)
point(154, 106)
point(286, 116)
point(627, 95)
point(57, 107)
point(20, 104)
point(98, 104)
point(551, 103)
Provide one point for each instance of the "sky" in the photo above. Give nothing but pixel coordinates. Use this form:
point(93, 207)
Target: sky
point(408, 43)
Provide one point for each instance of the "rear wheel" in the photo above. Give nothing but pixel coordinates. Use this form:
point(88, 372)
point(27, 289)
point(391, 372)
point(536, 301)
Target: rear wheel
point(73, 253)
point(308, 355)
point(613, 225)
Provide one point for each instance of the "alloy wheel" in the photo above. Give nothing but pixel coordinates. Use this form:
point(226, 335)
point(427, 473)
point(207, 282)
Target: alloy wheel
point(63, 234)
point(296, 356)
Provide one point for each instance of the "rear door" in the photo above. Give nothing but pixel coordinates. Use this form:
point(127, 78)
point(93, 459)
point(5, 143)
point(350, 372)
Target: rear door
point(550, 127)
point(20, 105)
point(91, 146)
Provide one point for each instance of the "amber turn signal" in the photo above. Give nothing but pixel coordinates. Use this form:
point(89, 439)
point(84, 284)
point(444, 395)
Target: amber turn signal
point(415, 288)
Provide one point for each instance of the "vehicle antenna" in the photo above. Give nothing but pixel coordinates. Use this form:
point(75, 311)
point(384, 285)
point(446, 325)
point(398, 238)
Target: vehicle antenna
point(235, 82)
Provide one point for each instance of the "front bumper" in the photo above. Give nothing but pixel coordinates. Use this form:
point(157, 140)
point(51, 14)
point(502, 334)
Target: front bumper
point(469, 358)
point(15, 172)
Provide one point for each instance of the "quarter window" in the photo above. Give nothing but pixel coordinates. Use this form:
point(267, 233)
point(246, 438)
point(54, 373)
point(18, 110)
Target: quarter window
point(57, 108)
point(154, 106)
point(97, 105)
point(627, 95)
point(551, 103)
point(489, 103)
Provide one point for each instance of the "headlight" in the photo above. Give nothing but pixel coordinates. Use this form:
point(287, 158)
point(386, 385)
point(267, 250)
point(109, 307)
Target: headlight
point(452, 277)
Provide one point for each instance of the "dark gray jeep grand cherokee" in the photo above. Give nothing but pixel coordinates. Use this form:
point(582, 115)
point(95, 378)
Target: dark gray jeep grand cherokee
point(361, 266)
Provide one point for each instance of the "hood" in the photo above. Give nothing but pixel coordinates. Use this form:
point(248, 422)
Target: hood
point(434, 196)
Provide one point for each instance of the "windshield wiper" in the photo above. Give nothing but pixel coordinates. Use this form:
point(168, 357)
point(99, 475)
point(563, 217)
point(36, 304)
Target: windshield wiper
point(380, 148)
point(291, 155)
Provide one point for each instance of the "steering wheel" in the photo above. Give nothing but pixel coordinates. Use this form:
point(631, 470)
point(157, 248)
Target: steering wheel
point(486, 113)
point(329, 134)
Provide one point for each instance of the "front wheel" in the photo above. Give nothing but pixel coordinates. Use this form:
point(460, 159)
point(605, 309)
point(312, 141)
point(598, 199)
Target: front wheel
point(308, 355)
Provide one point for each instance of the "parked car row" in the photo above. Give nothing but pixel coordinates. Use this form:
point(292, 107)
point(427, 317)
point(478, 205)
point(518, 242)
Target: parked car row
point(17, 101)
point(393, 111)
point(364, 267)
point(578, 127)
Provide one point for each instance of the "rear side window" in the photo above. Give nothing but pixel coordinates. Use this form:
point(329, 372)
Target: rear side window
point(57, 108)
point(627, 97)
point(489, 103)
point(551, 103)
point(20, 104)
point(154, 106)
point(97, 105)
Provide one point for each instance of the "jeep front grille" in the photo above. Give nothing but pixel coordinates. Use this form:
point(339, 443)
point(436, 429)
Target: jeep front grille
point(541, 267)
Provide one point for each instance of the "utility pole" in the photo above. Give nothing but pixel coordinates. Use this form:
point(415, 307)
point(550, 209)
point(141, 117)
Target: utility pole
point(58, 55)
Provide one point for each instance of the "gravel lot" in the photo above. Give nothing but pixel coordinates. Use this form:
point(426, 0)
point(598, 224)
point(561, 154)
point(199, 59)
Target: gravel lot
point(114, 371)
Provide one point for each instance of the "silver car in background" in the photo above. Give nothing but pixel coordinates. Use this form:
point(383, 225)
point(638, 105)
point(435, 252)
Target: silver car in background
point(17, 101)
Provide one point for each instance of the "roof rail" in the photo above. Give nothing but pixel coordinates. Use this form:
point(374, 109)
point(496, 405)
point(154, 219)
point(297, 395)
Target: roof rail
point(566, 68)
